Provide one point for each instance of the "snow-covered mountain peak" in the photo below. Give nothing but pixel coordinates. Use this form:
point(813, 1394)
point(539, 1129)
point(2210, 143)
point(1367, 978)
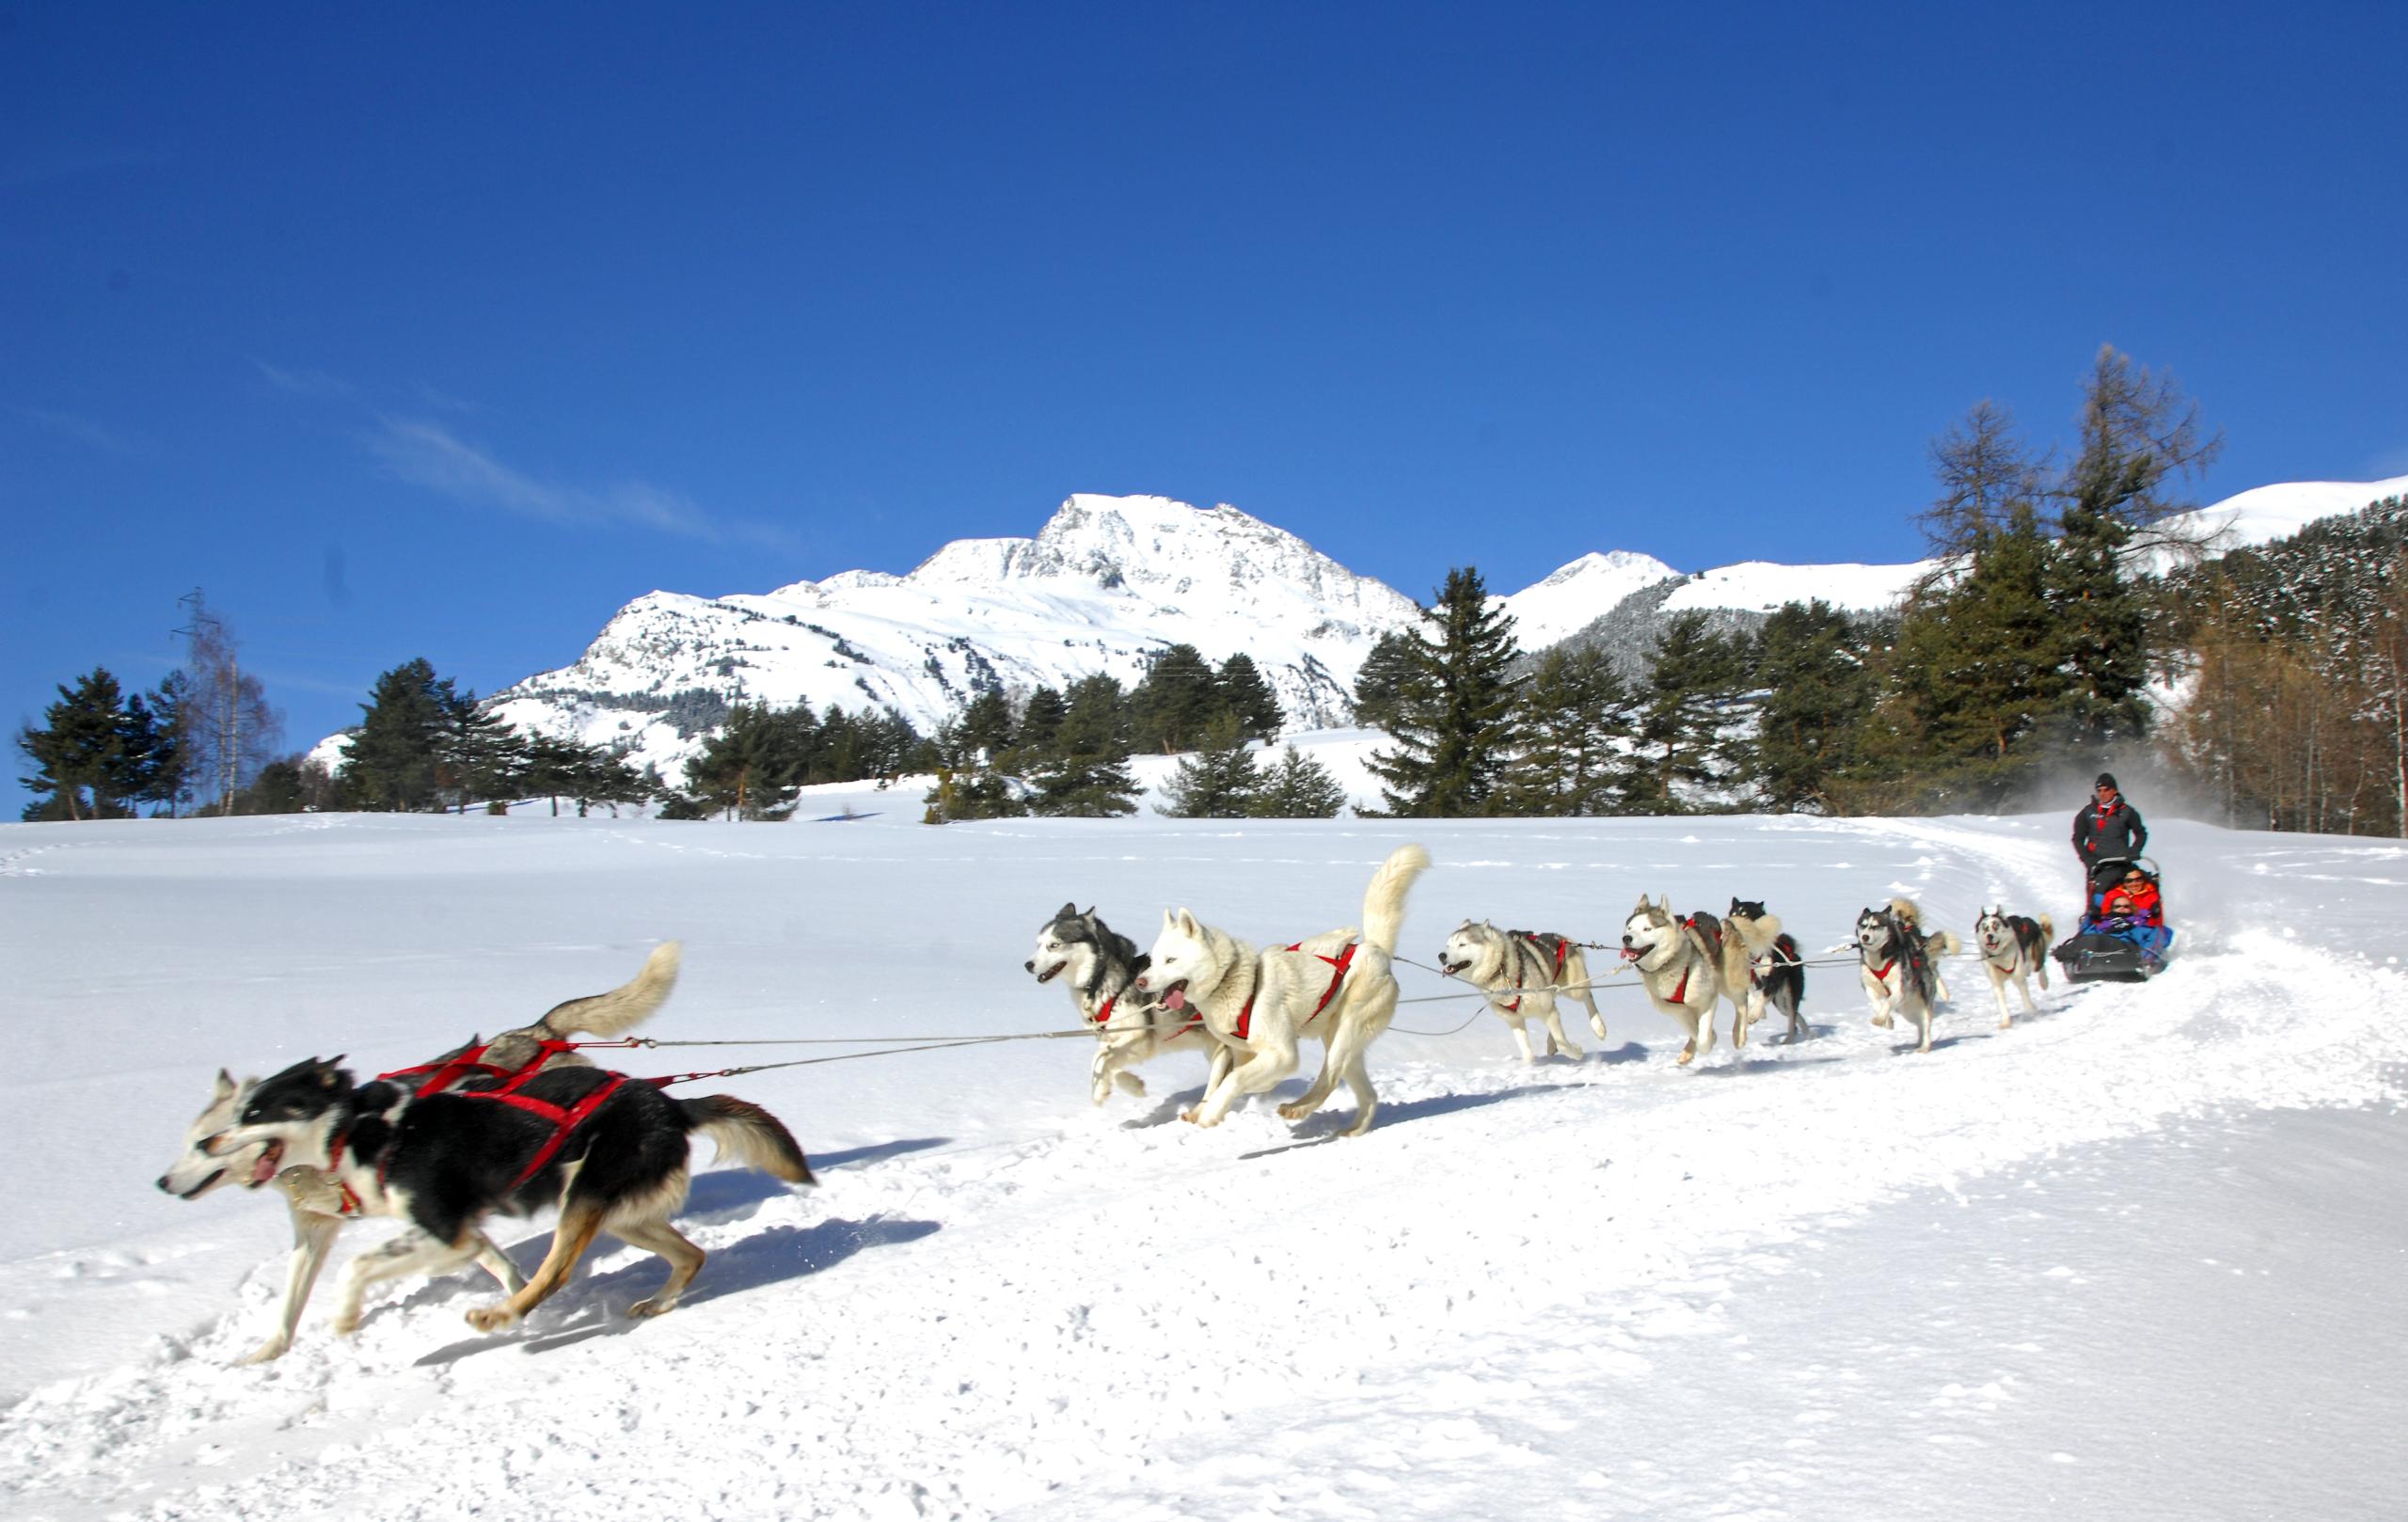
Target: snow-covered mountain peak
point(1568, 600)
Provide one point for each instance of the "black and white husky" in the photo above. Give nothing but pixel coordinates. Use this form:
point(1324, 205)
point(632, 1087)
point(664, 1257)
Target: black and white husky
point(338, 1150)
point(2014, 947)
point(1262, 1002)
point(1101, 964)
point(1775, 973)
point(1898, 965)
point(1522, 972)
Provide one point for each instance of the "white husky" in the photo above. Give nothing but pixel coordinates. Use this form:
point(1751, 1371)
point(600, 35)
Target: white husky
point(1682, 971)
point(1519, 968)
point(2013, 947)
point(1261, 1003)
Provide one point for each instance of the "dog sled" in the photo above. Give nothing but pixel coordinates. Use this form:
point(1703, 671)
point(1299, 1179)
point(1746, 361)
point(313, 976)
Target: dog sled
point(2124, 937)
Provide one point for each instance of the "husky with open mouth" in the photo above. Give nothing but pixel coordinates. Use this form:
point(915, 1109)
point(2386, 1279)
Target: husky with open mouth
point(1100, 965)
point(1523, 973)
point(1261, 1003)
point(220, 1147)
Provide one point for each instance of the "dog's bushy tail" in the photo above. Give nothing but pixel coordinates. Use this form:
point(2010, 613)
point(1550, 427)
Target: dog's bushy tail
point(1909, 911)
point(1942, 942)
point(623, 1009)
point(2048, 928)
point(1384, 900)
point(751, 1135)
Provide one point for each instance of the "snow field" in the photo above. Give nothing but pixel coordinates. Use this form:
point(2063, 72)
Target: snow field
point(1609, 1284)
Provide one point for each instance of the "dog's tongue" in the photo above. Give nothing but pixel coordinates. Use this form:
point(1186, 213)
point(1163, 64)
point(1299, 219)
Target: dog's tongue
point(265, 1169)
point(1176, 999)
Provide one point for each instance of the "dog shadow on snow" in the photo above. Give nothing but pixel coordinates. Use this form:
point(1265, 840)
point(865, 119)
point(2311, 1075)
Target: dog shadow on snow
point(595, 1305)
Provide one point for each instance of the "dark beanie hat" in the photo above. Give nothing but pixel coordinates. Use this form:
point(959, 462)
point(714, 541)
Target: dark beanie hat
point(2106, 779)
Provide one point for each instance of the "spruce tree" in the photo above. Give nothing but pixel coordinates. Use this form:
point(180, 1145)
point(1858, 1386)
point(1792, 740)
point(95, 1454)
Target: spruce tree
point(1295, 787)
point(1218, 780)
point(1573, 725)
point(748, 770)
point(1089, 774)
point(1385, 671)
point(1040, 724)
point(1175, 703)
point(1450, 719)
point(95, 750)
point(1815, 664)
point(391, 760)
point(1244, 694)
point(1694, 677)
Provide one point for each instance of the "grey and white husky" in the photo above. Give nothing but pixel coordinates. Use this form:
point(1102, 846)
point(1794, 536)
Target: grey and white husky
point(1523, 973)
point(1262, 1002)
point(2014, 947)
point(1131, 1027)
point(1898, 967)
point(1680, 963)
point(217, 1150)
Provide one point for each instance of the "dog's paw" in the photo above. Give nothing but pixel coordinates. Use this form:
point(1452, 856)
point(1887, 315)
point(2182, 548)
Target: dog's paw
point(491, 1318)
point(1189, 1115)
point(1882, 1021)
point(655, 1307)
point(267, 1352)
point(1688, 1053)
point(1129, 1084)
point(345, 1322)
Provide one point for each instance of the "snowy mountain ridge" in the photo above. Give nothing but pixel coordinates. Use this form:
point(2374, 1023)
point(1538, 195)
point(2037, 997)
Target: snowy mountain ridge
point(1102, 585)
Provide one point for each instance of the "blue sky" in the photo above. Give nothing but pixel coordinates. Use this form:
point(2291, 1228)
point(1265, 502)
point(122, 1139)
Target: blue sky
point(446, 330)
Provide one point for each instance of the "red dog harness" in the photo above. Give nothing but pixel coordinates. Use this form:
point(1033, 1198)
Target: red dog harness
point(1342, 962)
point(564, 1118)
point(1562, 949)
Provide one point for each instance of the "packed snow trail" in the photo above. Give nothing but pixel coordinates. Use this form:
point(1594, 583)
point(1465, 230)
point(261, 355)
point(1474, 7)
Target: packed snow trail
point(1003, 1301)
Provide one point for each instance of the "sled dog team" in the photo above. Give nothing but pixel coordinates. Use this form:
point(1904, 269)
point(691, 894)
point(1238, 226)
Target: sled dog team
point(521, 1122)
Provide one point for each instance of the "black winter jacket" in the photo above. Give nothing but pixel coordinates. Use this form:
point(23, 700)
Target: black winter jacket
point(2116, 834)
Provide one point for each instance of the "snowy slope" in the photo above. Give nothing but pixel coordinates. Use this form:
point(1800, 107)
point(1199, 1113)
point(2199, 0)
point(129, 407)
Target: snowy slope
point(2071, 1269)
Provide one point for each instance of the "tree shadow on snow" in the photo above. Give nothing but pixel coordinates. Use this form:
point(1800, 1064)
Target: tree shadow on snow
point(598, 1305)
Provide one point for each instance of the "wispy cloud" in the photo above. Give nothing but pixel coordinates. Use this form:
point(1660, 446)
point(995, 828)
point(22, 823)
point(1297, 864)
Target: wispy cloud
point(425, 453)
point(82, 430)
point(302, 381)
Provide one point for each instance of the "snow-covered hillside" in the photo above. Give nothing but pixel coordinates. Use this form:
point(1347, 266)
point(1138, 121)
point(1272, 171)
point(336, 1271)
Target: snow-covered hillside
point(1107, 582)
point(2118, 1260)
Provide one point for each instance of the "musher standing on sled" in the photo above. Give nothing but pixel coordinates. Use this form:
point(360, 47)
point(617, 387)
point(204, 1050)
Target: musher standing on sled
point(2107, 834)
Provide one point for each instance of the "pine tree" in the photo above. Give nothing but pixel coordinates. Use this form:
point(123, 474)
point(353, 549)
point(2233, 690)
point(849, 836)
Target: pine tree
point(97, 750)
point(986, 723)
point(1296, 787)
point(1218, 780)
point(1820, 688)
point(1248, 697)
point(1175, 703)
point(748, 770)
point(1984, 472)
point(1089, 775)
point(1573, 725)
point(1451, 716)
point(1040, 724)
point(481, 757)
point(1386, 670)
point(1694, 677)
point(391, 761)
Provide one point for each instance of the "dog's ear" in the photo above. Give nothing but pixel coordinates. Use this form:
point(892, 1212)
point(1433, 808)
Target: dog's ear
point(226, 1086)
point(328, 1074)
point(1088, 913)
point(1188, 926)
point(1068, 911)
